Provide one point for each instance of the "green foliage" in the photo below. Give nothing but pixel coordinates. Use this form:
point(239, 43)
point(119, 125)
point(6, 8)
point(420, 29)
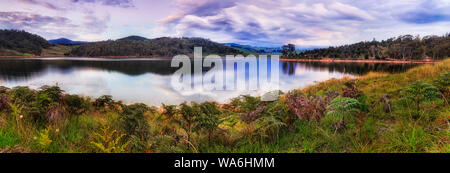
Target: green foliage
point(39, 108)
point(402, 47)
point(109, 141)
point(208, 119)
point(169, 110)
point(102, 101)
point(188, 114)
point(52, 92)
point(21, 41)
point(245, 103)
point(344, 106)
point(159, 47)
point(269, 126)
point(8, 138)
point(341, 112)
point(443, 83)
point(280, 110)
point(22, 95)
point(420, 91)
point(135, 122)
point(76, 105)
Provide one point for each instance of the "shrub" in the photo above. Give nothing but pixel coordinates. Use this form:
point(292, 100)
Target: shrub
point(420, 91)
point(76, 105)
point(339, 109)
point(169, 110)
point(351, 90)
point(254, 115)
point(280, 110)
point(269, 126)
point(443, 84)
point(103, 101)
point(39, 109)
point(209, 119)
point(53, 92)
point(344, 106)
point(134, 122)
point(245, 103)
point(187, 115)
point(22, 95)
point(308, 108)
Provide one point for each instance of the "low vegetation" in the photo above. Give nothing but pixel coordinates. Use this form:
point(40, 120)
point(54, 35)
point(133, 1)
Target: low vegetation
point(405, 112)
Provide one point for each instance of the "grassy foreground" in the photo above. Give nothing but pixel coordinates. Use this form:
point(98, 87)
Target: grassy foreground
point(407, 112)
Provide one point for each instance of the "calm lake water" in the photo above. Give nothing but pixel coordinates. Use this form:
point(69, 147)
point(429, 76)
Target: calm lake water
point(149, 80)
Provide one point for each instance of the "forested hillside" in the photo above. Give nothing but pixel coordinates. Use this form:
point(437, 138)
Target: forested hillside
point(406, 47)
point(162, 47)
point(255, 50)
point(18, 43)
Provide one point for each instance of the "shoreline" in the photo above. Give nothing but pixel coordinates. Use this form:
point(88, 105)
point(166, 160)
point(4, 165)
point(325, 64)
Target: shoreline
point(358, 61)
point(281, 59)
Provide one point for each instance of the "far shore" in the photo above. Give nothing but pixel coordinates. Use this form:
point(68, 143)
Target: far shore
point(281, 59)
point(360, 61)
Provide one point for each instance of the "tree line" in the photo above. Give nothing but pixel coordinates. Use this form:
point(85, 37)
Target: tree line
point(405, 47)
point(21, 41)
point(162, 47)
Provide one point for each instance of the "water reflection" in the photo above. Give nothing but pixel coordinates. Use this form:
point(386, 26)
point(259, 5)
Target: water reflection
point(148, 80)
point(345, 67)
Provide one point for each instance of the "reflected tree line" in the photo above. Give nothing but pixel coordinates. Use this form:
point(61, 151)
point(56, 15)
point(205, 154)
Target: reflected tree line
point(22, 69)
point(349, 68)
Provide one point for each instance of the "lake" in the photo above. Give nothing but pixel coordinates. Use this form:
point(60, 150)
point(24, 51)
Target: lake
point(148, 81)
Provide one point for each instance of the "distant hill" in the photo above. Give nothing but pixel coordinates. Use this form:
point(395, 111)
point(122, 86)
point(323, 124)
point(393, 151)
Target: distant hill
point(65, 41)
point(134, 38)
point(21, 43)
point(254, 49)
point(158, 47)
point(405, 47)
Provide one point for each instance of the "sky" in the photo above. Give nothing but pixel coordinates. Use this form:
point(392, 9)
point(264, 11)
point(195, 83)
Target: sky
point(271, 23)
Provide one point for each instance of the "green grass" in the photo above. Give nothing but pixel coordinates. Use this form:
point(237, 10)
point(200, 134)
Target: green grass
point(56, 51)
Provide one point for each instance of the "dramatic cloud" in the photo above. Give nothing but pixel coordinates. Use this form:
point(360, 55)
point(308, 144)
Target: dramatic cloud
point(305, 23)
point(253, 21)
